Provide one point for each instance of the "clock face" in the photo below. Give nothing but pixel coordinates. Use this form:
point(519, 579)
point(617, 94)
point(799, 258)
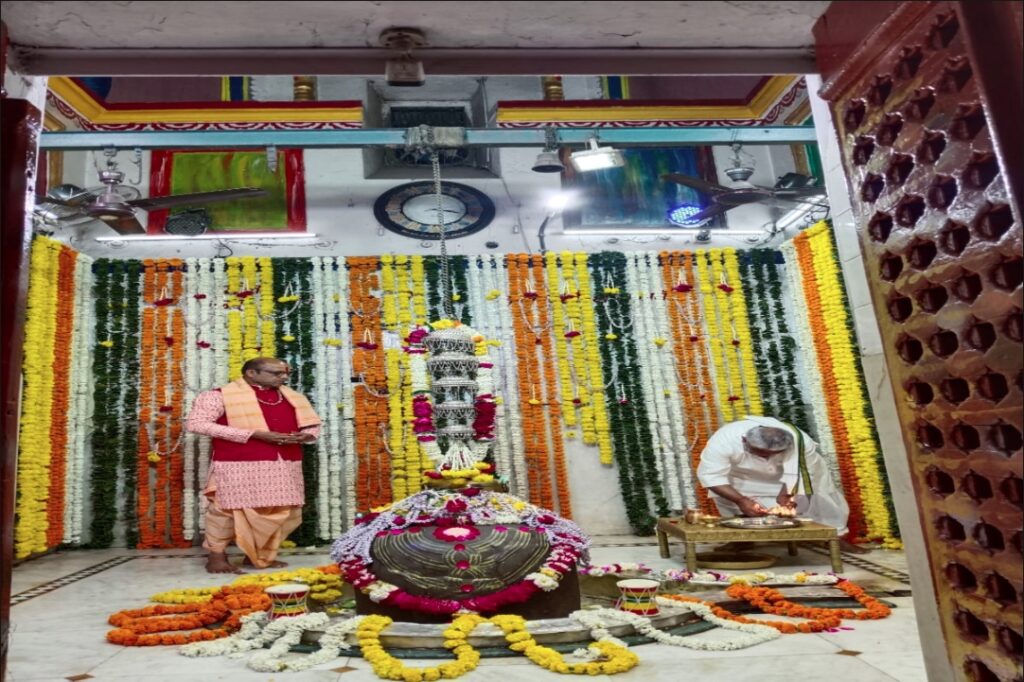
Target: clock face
point(411, 210)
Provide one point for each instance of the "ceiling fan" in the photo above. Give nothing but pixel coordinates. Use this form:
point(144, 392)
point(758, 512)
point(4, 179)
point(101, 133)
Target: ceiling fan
point(115, 204)
point(792, 188)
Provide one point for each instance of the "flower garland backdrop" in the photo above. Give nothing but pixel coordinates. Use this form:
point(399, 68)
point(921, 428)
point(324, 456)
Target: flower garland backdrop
point(639, 356)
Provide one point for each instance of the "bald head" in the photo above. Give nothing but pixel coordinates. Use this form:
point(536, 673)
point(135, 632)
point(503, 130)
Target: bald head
point(266, 372)
point(767, 440)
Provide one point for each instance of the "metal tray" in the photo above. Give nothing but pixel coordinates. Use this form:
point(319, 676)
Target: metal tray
point(760, 523)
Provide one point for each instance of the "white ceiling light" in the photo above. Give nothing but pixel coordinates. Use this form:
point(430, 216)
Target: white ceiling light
point(236, 236)
point(596, 158)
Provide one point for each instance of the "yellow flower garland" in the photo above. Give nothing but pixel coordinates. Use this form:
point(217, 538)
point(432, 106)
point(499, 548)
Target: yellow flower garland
point(268, 327)
point(34, 444)
point(323, 587)
point(618, 658)
point(602, 426)
point(859, 426)
point(561, 344)
point(707, 289)
point(726, 335)
point(388, 667)
point(578, 345)
point(741, 322)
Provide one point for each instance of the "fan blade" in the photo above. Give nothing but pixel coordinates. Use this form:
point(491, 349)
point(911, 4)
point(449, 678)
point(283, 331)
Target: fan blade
point(709, 212)
point(197, 198)
point(125, 224)
point(695, 183)
point(798, 192)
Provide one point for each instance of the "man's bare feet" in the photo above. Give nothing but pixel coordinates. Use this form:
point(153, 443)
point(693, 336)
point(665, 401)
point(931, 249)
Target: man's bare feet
point(847, 546)
point(217, 562)
point(273, 564)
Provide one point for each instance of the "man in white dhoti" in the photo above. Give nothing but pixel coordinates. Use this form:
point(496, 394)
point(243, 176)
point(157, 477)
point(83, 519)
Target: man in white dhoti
point(752, 465)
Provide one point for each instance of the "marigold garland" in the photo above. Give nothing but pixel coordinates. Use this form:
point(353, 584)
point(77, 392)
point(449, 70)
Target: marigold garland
point(692, 362)
point(618, 659)
point(833, 400)
point(744, 349)
point(35, 458)
point(772, 601)
point(388, 667)
point(165, 624)
point(849, 384)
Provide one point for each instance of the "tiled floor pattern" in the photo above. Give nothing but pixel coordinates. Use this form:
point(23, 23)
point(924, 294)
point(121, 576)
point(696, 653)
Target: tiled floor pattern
point(62, 601)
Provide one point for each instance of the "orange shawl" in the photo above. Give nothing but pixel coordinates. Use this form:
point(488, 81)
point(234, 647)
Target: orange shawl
point(243, 411)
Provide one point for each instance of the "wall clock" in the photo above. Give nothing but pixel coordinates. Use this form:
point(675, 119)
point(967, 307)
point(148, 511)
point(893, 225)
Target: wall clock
point(411, 210)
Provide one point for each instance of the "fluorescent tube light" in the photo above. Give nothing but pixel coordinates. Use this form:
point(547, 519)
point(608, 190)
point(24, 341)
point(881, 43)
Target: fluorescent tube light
point(234, 236)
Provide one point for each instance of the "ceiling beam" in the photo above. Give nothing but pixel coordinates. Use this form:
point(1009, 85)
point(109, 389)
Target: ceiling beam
point(396, 137)
point(49, 61)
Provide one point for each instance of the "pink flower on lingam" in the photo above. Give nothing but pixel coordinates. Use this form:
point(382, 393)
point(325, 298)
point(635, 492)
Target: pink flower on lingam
point(416, 336)
point(455, 506)
point(456, 533)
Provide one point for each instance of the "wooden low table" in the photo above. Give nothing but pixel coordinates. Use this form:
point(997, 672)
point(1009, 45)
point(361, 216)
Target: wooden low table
point(692, 533)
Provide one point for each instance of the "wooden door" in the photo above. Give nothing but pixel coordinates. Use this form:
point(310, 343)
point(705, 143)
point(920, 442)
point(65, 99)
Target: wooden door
point(926, 100)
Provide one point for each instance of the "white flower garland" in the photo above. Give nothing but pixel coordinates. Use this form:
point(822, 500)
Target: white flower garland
point(80, 402)
point(598, 620)
point(193, 329)
point(256, 632)
point(347, 411)
point(677, 461)
point(808, 358)
point(509, 415)
point(321, 331)
point(336, 354)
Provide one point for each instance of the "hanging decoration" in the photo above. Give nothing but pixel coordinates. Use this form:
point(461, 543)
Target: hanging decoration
point(643, 355)
point(692, 359)
point(639, 482)
point(848, 409)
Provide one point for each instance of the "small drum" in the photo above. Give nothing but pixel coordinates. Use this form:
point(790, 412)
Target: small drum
point(638, 596)
point(287, 600)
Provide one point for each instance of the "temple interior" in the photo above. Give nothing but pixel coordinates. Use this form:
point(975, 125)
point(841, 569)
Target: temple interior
point(347, 342)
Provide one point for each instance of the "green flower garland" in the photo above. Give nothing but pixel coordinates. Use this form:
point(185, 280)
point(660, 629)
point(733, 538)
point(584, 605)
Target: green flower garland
point(115, 392)
point(294, 275)
point(627, 412)
point(768, 264)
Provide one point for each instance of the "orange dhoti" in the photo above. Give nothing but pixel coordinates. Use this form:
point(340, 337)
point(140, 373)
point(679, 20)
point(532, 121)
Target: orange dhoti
point(258, 531)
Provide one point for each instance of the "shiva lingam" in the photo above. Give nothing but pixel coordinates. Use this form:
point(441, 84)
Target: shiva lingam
point(459, 545)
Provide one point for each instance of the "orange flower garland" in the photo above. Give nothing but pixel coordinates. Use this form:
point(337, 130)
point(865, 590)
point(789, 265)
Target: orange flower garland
point(526, 302)
point(147, 534)
point(691, 360)
point(774, 602)
point(844, 452)
point(61, 390)
point(554, 415)
point(373, 486)
point(160, 465)
point(165, 624)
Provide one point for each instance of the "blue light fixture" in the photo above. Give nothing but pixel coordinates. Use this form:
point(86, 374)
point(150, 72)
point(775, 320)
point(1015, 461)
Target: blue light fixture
point(682, 215)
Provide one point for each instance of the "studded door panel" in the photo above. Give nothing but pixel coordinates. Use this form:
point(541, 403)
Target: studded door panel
point(942, 246)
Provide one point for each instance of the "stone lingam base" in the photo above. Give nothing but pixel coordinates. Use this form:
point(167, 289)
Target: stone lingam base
point(547, 631)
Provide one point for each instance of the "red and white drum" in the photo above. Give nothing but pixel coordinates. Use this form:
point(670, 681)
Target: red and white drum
point(287, 600)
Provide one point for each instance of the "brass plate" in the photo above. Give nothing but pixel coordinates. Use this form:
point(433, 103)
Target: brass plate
point(760, 523)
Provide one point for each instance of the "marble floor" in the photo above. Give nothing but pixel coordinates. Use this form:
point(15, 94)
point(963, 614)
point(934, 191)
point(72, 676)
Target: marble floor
point(60, 604)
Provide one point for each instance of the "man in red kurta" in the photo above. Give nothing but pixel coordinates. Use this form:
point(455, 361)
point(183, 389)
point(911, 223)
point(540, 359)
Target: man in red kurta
point(255, 489)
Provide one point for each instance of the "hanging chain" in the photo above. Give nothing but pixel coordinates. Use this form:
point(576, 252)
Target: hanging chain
point(446, 281)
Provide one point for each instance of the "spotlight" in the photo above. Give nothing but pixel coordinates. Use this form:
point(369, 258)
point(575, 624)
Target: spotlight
point(682, 215)
point(596, 158)
point(548, 161)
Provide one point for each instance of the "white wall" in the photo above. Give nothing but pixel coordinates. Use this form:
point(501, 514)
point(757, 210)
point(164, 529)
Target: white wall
point(876, 375)
point(339, 206)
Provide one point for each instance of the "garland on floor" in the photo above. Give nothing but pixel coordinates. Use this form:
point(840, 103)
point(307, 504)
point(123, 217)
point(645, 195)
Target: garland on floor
point(643, 355)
